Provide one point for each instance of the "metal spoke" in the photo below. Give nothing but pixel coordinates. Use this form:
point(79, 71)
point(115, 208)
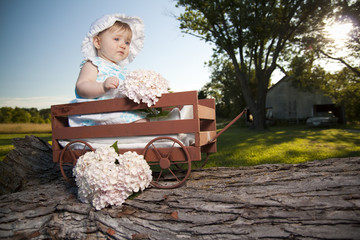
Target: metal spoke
point(166, 157)
point(83, 150)
point(174, 174)
point(156, 151)
point(73, 156)
point(170, 151)
point(157, 180)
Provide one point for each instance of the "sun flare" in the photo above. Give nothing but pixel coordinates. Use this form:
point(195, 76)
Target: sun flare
point(339, 32)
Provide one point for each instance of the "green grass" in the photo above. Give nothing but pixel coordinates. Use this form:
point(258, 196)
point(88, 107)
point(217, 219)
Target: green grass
point(240, 146)
point(294, 144)
point(10, 131)
point(6, 141)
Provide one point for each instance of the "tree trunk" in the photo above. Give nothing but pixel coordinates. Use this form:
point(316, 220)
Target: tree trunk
point(259, 119)
point(314, 200)
point(257, 103)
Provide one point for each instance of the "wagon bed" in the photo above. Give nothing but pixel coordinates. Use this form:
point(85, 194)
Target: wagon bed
point(202, 126)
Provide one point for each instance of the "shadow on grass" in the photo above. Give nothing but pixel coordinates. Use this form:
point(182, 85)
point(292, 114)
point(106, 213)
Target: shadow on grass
point(294, 144)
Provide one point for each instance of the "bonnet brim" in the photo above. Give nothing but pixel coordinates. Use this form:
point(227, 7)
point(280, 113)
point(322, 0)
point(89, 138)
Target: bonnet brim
point(137, 27)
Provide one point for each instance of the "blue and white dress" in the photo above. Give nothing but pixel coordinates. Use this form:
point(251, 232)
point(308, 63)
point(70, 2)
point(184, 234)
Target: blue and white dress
point(105, 69)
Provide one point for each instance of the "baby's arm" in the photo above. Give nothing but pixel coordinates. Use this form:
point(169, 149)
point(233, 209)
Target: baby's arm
point(88, 87)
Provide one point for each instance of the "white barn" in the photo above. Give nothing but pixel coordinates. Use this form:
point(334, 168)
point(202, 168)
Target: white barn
point(287, 102)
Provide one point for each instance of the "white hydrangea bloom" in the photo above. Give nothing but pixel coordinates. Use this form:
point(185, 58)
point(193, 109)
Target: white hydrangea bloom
point(106, 178)
point(138, 172)
point(144, 86)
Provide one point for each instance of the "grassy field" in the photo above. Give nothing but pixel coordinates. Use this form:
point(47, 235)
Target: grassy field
point(15, 128)
point(291, 144)
point(20, 130)
point(240, 146)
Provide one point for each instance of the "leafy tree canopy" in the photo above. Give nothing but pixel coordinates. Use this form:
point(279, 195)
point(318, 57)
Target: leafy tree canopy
point(255, 36)
point(348, 52)
point(308, 73)
point(24, 115)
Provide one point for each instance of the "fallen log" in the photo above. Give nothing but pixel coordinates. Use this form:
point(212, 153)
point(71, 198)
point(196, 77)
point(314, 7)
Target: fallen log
point(313, 200)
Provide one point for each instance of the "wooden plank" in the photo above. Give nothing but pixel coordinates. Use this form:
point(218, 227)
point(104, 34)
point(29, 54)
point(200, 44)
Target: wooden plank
point(206, 112)
point(125, 130)
point(205, 137)
point(122, 104)
point(177, 154)
point(194, 153)
point(207, 125)
point(208, 102)
point(209, 148)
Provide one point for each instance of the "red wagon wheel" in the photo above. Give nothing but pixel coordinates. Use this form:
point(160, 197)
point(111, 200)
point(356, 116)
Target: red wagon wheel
point(172, 161)
point(70, 153)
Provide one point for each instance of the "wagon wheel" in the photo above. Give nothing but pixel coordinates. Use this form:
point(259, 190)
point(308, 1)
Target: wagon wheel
point(171, 172)
point(70, 154)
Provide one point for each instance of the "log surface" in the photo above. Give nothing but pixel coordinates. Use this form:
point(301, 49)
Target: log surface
point(314, 200)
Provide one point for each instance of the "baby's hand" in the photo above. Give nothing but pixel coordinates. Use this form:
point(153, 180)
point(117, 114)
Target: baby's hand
point(111, 83)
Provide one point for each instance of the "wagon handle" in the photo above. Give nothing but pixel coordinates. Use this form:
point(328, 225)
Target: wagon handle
point(227, 126)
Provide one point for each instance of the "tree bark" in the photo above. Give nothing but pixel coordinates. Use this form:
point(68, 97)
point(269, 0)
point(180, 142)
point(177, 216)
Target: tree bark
point(313, 200)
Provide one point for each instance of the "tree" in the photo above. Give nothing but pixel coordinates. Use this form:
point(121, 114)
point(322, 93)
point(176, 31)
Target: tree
point(344, 88)
point(345, 11)
point(255, 35)
point(24, 115)
point(45, 115)
point(6, 114)
point(307, 75)
point(224, 88)
point(35, 115)
point(20, 115)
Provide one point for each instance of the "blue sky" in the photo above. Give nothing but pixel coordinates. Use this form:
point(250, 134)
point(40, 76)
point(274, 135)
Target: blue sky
point(41, 39)
point(40, 43)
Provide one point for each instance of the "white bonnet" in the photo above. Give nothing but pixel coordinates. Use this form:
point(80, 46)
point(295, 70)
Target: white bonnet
point(137, 27)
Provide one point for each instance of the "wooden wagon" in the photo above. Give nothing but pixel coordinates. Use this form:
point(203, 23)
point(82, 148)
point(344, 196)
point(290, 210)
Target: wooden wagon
point(171, 164)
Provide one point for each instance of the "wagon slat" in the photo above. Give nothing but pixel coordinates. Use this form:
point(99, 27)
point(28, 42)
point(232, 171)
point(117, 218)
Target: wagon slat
point(125, 130)
point(202, 126)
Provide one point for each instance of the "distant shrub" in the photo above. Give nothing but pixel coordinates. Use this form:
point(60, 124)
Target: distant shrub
point(24, 115)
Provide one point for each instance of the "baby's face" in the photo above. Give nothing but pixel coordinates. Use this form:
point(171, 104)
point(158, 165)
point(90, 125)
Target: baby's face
point(113, 45)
